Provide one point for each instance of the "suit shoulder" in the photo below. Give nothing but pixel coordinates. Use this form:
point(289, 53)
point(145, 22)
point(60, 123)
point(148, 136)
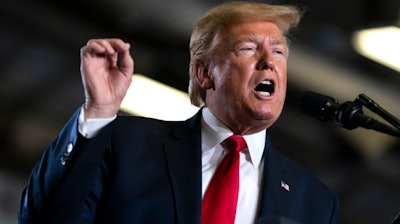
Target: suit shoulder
point(141, 125)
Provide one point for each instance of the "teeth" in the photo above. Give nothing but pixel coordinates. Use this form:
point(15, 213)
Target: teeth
point(266, 82)
point(265, 93)
point(265, 88)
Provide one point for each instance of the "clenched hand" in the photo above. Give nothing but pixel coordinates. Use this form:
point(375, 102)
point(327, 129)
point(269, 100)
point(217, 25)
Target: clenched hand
point(106, 69)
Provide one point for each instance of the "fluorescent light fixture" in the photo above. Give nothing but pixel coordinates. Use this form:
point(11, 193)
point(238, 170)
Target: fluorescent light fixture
point(149, 98)
point(380, 44)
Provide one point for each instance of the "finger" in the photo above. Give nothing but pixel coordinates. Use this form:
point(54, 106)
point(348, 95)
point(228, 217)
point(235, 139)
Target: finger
point(122, 49)
point(107, 46)
point(104, 44)
point(126, 63)
point(99, 46)
point(125, 59)
point(118, 45)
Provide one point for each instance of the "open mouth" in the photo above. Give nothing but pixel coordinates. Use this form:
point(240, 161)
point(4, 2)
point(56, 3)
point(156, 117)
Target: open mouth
point(265, 88)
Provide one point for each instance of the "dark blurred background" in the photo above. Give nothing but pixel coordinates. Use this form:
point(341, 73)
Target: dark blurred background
point(40, 86)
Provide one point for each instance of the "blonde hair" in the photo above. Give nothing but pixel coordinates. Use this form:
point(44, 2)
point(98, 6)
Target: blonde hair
point(223, 16)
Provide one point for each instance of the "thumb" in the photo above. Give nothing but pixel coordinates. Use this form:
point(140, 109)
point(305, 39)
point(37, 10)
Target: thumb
point(126, 63)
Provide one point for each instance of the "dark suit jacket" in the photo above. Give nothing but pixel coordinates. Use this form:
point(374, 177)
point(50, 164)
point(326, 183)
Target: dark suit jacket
point(139, 170)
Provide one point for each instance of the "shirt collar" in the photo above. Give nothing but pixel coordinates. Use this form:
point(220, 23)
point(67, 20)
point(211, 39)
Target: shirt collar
point(214, 132)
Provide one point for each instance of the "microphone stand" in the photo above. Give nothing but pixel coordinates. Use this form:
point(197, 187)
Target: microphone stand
point(351, 116)
point(374, 107)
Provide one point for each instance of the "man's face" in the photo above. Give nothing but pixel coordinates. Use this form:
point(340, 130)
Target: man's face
point(248, 71)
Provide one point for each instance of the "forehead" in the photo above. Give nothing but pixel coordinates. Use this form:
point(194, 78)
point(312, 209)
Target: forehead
point(254, 30)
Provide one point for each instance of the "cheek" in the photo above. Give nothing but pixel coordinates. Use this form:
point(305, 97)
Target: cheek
point(282, 71)
point(219, 69)
point(226, 74)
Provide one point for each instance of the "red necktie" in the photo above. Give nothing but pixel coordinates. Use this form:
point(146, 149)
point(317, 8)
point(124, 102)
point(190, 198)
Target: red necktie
point(220, 200)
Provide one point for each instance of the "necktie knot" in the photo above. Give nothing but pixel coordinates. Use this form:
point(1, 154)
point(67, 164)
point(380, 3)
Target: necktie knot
point(235, 142)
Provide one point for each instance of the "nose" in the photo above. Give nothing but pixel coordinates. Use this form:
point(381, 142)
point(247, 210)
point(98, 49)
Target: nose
point(266, 60)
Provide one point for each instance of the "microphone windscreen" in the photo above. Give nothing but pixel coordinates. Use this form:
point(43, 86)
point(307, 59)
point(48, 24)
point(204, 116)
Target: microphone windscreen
point(313, 104)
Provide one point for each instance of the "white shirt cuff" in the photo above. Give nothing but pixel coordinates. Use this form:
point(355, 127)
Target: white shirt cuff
point(91, 127)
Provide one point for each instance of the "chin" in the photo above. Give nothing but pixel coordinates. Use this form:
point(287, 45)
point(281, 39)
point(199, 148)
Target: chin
point(268, 115)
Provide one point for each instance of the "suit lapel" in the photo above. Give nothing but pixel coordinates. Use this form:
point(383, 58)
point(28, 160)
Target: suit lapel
point(276, 184)
point(183, 154)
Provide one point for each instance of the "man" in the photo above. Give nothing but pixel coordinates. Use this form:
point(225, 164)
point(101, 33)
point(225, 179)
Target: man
point(108, 169)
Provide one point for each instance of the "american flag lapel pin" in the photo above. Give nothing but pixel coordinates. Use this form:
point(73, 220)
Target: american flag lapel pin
point(285, 186)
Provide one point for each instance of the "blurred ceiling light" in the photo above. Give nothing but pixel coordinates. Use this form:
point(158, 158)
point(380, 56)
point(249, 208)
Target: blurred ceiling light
point(149, 98)
point(380, 44)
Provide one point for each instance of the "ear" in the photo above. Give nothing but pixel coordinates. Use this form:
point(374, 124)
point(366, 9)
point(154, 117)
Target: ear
point(203, 76)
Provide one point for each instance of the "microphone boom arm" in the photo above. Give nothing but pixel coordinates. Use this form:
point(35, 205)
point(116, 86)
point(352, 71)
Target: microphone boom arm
point(350, 116)
point(374, 107)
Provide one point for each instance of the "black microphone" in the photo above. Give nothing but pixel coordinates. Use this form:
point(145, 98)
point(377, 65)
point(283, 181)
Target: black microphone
point(348, 115)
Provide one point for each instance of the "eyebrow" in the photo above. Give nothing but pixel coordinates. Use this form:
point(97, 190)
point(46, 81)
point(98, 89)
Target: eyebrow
point(254, 39)
point(278, 41)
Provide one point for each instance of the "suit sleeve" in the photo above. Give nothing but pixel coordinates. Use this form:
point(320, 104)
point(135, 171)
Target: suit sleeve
point(335, 218)
point(65, 184)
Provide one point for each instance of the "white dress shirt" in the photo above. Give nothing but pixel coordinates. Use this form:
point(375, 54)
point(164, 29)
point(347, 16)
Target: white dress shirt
point(213, 132)
point(250, 173)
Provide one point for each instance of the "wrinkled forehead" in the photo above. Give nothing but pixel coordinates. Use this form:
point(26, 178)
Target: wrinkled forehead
point(249, 31)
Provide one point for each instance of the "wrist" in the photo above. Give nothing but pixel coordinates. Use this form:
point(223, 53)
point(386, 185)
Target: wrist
point(96, 112)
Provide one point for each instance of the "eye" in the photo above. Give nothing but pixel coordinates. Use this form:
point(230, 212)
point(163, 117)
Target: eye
point(247, 49)
point(279, 51)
